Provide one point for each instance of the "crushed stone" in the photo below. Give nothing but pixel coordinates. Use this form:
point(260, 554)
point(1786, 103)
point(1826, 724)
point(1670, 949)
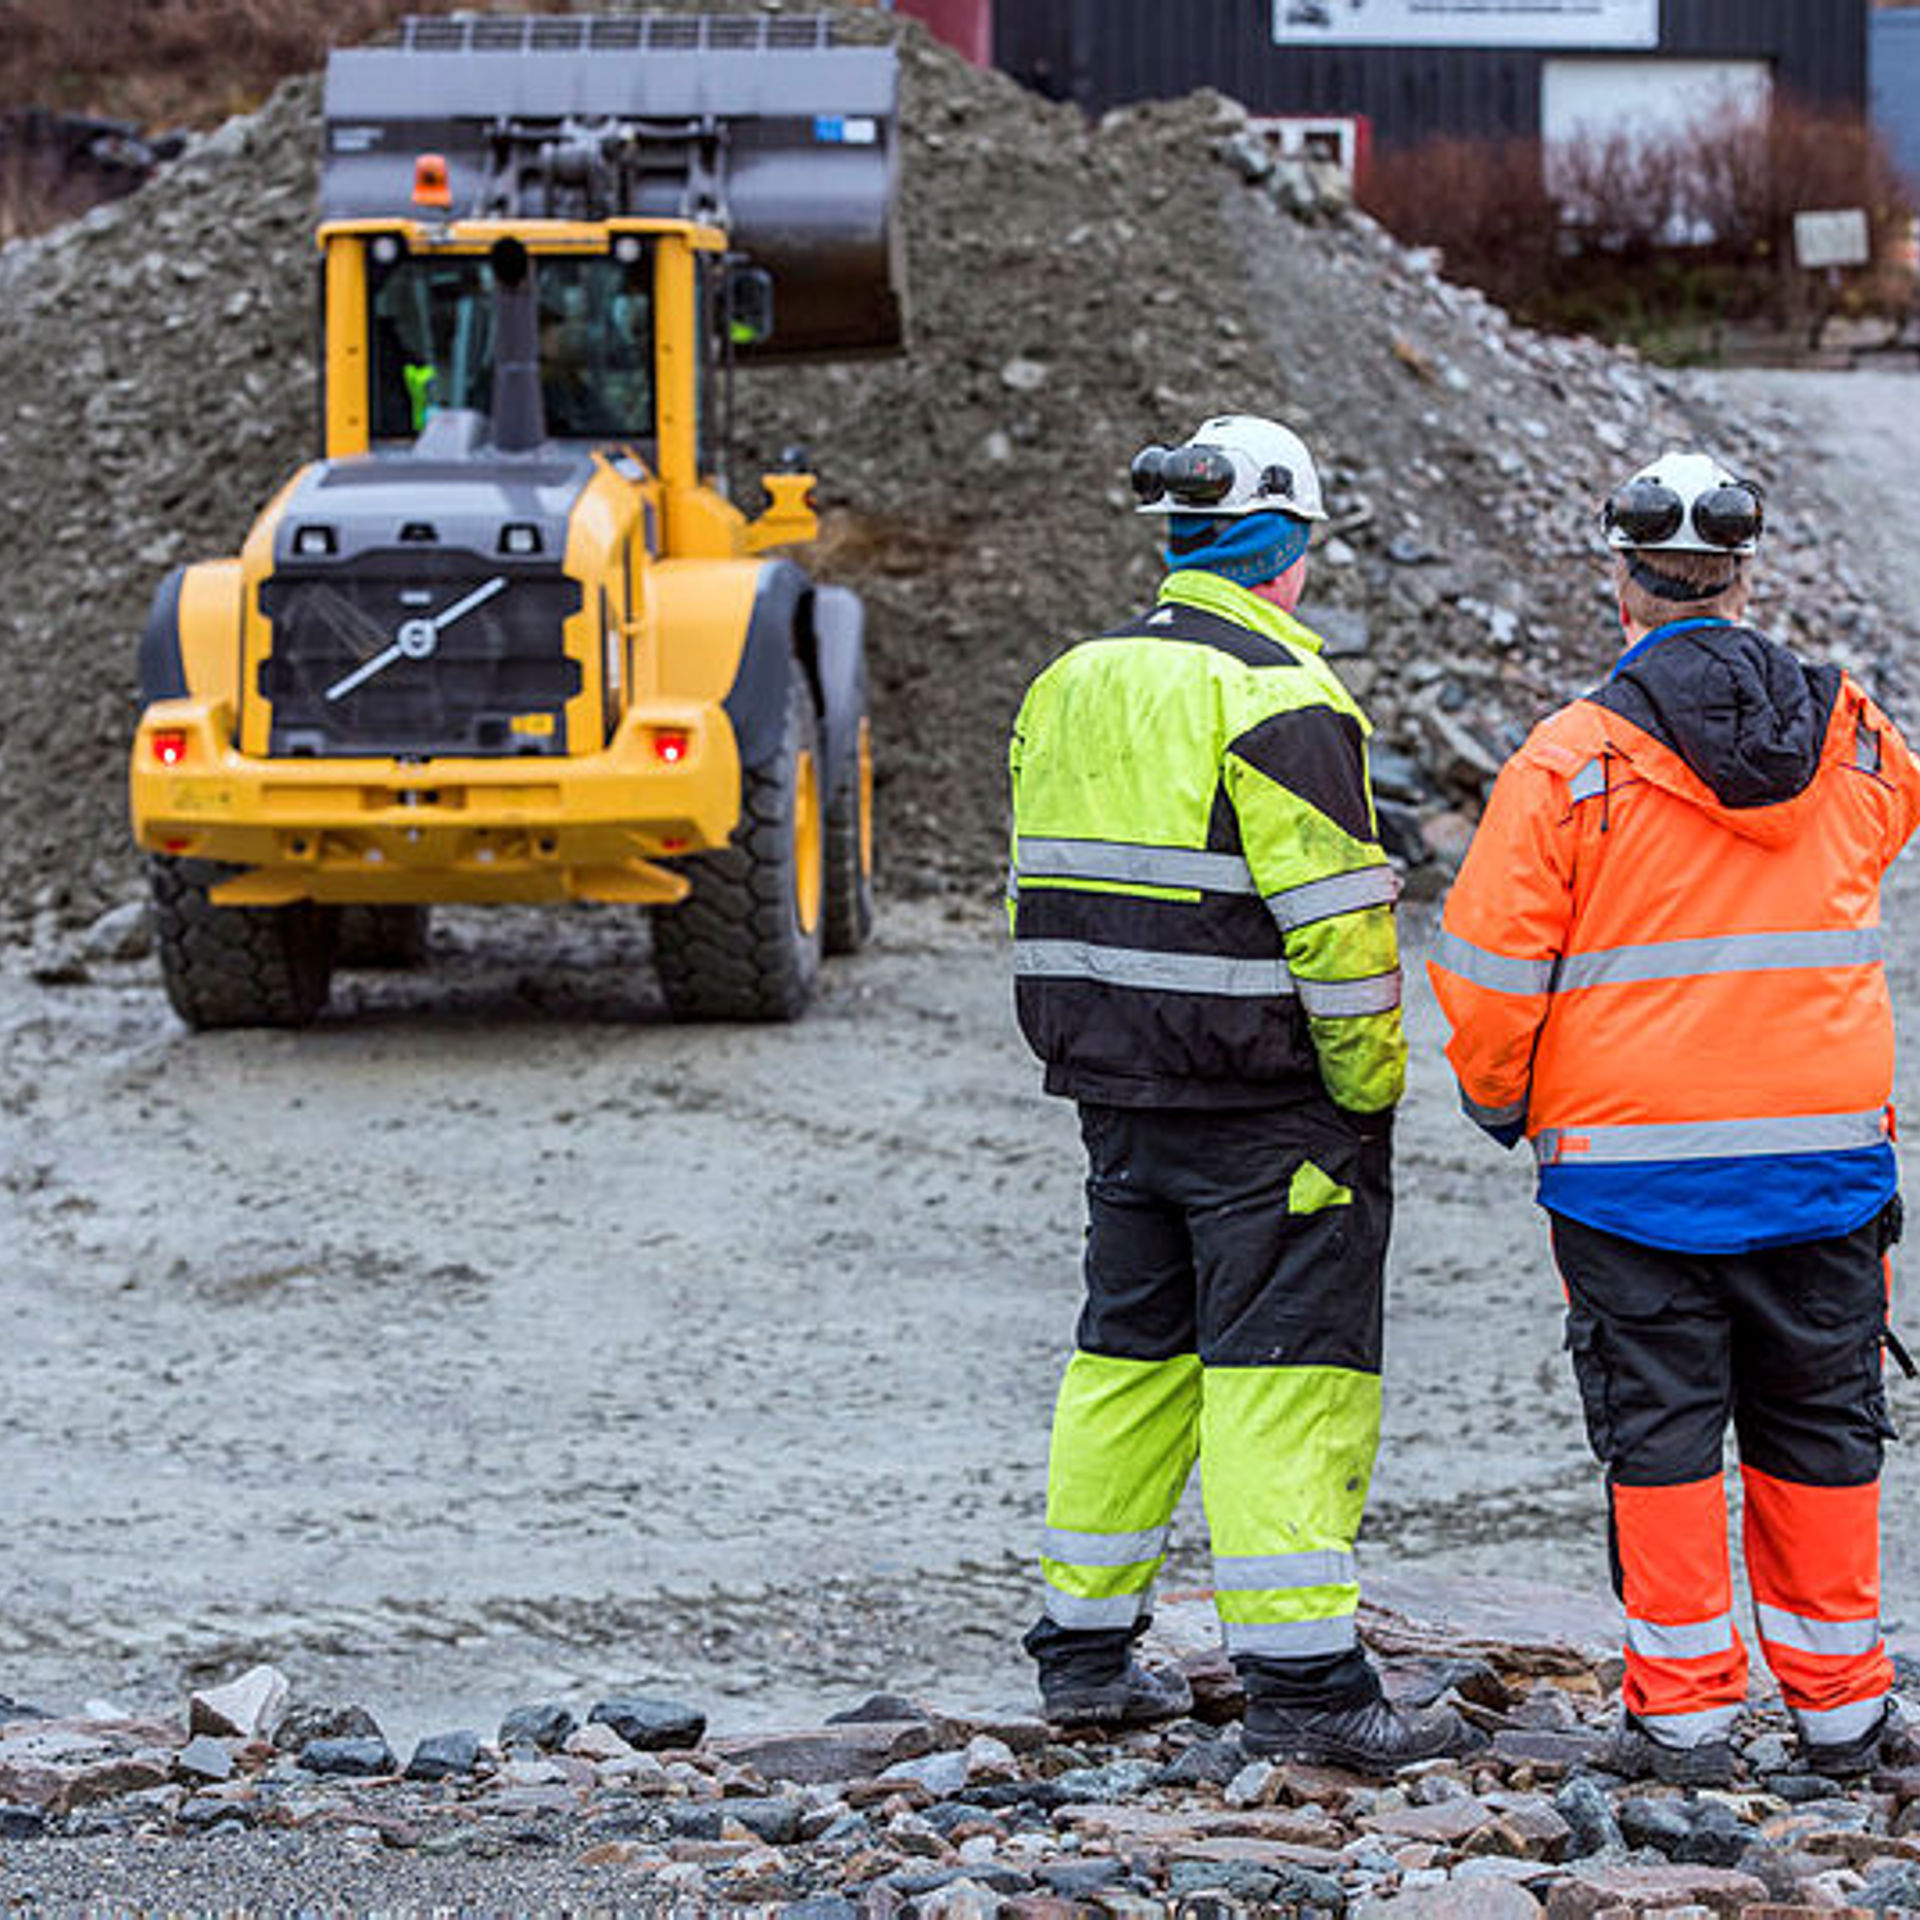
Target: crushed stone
point(1077, 290)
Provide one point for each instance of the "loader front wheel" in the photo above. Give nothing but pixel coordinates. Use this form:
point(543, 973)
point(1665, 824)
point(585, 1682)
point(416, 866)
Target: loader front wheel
point(850, 849)
point(237, 966)
point(745, 944)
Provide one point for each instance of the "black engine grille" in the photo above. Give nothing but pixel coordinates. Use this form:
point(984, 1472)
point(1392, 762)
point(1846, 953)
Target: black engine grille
point(500, 663)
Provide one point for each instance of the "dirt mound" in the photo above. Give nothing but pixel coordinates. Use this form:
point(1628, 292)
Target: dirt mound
point(1076, 291)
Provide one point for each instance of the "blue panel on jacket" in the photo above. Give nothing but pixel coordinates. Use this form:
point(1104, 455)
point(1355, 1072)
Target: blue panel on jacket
point(1725, 1206)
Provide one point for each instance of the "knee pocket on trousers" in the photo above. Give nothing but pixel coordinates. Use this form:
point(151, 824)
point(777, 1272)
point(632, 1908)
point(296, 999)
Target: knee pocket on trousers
point(1586, 1344)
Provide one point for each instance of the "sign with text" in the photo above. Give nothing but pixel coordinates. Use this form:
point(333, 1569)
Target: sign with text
point(1466, 23)
point(1839, 238)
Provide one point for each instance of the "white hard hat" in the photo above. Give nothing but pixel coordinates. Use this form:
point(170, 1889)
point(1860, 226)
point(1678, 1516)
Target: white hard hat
point(1235, 464)
point(1684, 503)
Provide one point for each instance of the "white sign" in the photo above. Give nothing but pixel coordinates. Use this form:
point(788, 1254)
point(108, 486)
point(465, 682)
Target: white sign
point(1836, 239)
point(1466, 23)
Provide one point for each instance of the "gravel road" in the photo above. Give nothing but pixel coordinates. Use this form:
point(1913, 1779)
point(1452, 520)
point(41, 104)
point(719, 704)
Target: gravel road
point(497, 1340)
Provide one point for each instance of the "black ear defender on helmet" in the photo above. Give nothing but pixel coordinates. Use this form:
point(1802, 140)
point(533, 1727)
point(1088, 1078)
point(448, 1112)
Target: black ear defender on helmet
point(1730, 516)
point(1195, 477)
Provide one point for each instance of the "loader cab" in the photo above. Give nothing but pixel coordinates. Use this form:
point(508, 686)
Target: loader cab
point(629, 333)
point(431, 341)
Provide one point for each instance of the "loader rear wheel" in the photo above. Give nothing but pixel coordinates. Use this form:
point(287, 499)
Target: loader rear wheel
point(745, 944)
point(382, 937)
point(850, 849)
point(237, 966)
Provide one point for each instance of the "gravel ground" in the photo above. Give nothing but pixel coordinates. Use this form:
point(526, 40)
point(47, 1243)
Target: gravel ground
point(495, 1336)
point(496, 1339)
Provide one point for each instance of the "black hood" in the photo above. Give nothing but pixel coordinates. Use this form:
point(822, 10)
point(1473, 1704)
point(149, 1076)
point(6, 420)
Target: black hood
point(1747, 716)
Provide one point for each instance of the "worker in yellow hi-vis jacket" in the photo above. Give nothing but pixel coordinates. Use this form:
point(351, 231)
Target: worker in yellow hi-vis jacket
point(1206, 962)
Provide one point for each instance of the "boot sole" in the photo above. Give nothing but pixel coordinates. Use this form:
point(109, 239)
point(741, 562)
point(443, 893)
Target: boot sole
point(1331, 1753)
point(1117, 1714)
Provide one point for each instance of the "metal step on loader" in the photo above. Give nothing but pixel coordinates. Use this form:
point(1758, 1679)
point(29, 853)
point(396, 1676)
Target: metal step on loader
point(507, 638)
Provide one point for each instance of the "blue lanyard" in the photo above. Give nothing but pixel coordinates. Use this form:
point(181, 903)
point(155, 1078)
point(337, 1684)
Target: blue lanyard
point(1646, 640)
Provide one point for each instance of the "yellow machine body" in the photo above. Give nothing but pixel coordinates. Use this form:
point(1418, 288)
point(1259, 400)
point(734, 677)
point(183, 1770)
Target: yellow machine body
point(666, 572)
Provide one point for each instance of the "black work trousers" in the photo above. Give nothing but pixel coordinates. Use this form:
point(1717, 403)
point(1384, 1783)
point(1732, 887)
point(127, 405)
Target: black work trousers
point(1786, 1342)
point(1234, 1293)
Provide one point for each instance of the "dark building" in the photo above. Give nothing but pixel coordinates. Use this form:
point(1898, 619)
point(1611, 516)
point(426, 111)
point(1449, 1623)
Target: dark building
point(1421, 68)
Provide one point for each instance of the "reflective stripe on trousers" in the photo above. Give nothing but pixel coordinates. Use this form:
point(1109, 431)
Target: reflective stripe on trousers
point(1685, 1640)
point(1832, 1725)
point(1240, 1575)
point(1837, 1639)
point(1291, 1639)
point(1075, 1610)
point(1690, 1729)
point(1283, 1572)
point(1711, 1139)
point(1104, 1549)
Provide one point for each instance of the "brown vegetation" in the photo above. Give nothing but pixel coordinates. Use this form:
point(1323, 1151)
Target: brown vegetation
point(162, 63)
point(1652, 239)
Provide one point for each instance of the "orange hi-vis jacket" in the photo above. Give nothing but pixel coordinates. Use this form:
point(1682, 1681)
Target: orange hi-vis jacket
point(1662, 957)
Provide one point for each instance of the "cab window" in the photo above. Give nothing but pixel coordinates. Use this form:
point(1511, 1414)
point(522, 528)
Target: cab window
point(432, 342)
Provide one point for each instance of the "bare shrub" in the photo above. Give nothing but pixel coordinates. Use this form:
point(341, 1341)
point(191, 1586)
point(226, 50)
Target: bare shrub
point(1633, 237)
point(1484, 204)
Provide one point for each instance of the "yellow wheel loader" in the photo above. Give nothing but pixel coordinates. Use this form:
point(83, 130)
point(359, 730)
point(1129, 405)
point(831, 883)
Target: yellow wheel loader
point(508, 639)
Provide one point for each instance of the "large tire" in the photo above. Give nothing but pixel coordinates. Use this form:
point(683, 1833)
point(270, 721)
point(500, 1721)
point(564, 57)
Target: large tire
point(237, 966)
point(850, 846)
point(745, 944)
point(382, 937)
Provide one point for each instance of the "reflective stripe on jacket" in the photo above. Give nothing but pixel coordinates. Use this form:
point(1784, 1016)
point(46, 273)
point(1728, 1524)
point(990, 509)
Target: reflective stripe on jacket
point(1678, 994)
point(1202, 912)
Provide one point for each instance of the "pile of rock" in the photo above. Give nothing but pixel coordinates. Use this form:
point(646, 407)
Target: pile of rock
point(897, 1808)
point(1076, 291)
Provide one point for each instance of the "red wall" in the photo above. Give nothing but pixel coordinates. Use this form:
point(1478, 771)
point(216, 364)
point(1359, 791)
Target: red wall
point(965, 24)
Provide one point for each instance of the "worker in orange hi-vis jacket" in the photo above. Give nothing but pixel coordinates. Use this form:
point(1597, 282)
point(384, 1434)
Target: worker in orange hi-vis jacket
point(1661, 963)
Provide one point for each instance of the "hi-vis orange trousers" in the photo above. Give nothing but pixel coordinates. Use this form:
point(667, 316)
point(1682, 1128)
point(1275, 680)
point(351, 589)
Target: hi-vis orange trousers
point(1788, 1342)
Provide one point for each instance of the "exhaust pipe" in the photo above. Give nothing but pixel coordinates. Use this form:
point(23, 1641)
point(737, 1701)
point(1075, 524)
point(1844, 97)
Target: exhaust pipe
point(519, 409)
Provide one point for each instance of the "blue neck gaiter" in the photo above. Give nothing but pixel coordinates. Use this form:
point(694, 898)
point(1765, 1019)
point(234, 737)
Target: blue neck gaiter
point(1249, 551)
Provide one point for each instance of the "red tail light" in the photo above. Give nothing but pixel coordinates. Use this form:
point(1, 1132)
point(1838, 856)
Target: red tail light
point(671, 745)
point(169, 746)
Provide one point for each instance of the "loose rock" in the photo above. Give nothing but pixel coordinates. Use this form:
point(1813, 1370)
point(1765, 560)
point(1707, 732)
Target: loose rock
point(651, 1725)
point(241, 1709)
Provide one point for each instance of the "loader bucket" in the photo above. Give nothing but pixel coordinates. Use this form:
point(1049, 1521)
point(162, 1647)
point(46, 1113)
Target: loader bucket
point(759, 123)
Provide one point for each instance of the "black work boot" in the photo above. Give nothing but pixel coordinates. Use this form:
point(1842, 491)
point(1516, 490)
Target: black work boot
point(1089, 1677)
point(1635, 1754)
point(1373, 1736)
point(1135, 1698)
point(1887, 1742)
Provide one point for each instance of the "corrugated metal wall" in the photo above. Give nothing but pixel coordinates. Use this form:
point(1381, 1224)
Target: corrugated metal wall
point(1103, 52)
point(1896, 87)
